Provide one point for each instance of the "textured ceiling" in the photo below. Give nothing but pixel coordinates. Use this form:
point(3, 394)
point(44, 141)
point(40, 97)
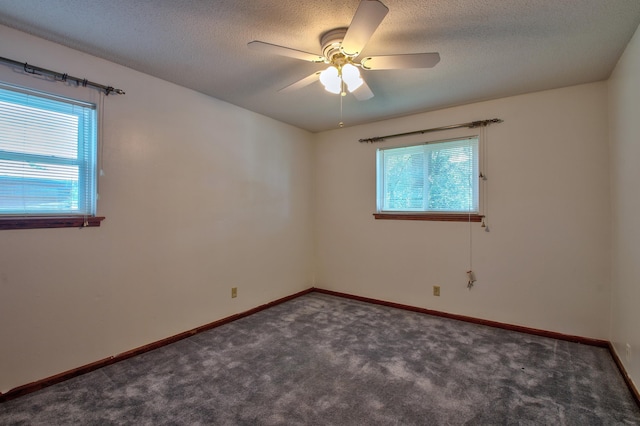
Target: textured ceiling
point(488, 48)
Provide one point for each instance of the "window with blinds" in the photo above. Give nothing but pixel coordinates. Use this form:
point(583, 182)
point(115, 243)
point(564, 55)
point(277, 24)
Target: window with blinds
point(437, 177)
point(47, 154)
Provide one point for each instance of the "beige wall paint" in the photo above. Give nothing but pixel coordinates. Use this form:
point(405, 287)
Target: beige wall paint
point(545, 262)
point(199, 196)
point(624, 98)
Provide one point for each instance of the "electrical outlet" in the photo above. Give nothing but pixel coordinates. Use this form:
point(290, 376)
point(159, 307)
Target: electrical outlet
point(436, 290)
point(234, 292)
point(628, 352)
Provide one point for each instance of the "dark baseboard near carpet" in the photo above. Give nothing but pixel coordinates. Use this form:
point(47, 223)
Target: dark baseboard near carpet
point(625, 376)
point(495, 324)
point(518, 328)
point(40, 384)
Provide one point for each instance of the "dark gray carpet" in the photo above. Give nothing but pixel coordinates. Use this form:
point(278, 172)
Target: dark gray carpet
point(322, 360)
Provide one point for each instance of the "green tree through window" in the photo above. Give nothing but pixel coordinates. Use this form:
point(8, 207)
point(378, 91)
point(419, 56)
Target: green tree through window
point(434, 177)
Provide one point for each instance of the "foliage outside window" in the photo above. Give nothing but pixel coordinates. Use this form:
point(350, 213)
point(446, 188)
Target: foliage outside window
point(47, 155)
point(433, 178)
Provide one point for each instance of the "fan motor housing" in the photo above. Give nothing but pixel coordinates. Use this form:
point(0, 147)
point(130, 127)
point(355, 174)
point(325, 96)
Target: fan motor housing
point(331, 41)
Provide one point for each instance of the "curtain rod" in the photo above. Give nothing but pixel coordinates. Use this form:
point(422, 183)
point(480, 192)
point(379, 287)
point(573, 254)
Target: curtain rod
point(470, 125)
point(30, 69)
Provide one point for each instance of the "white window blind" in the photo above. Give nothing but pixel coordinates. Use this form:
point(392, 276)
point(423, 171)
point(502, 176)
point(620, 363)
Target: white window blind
point(437, 177)
point(47, 154)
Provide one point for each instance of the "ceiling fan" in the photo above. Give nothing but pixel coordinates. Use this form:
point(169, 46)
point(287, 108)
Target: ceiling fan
point(341, 48)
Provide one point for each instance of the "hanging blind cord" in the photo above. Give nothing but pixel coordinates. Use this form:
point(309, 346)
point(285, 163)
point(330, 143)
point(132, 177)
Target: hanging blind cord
point(470, 275)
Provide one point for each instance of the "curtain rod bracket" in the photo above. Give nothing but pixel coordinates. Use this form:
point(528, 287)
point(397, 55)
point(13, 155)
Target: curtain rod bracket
point(30, 70)
point(484, 123)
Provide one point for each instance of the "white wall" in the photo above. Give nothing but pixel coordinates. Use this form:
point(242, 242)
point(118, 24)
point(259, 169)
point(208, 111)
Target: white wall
point(199, 196)
point(545, 262)
point(624, 98)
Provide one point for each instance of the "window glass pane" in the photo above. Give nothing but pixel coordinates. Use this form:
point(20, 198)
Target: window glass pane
point(47, 154)
point(38, 188)
point(452, 181)
point(434, 177)
point(404, 179)
point(30, 130)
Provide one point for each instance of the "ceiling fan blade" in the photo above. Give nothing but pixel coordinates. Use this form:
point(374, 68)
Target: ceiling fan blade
point(368, 17)
point(301, 83)
point(261, 46)
point(398, 62)
point(363, 92)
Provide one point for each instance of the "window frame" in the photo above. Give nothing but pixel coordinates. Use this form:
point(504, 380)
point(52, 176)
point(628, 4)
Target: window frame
point(86, 218)
point(433, 215)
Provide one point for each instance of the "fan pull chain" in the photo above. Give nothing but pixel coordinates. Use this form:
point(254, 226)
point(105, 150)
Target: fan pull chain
point(341, 124)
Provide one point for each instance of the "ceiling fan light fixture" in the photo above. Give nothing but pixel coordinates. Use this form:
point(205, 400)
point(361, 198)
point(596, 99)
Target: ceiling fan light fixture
point(330, 79)
point(341, 49)
point(351, 76)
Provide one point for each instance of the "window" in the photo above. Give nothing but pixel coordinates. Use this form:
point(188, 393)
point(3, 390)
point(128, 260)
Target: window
point(47, 157)
point(437, 178)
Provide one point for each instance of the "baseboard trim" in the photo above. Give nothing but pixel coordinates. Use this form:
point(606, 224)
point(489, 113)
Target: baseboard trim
point(519, 328)
point(625, 375)
point(41, 384)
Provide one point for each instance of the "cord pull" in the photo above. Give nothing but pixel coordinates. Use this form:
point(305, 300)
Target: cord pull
point(471, 277)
